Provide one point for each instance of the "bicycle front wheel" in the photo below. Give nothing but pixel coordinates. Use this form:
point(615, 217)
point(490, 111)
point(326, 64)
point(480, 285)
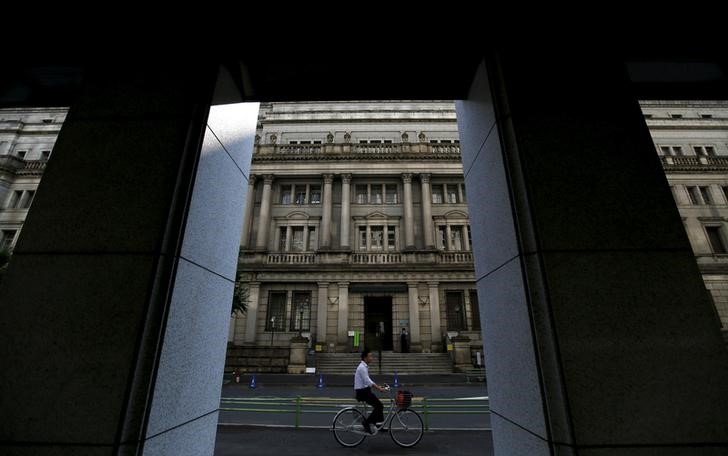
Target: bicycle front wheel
point(348, 427)
point(406, 428)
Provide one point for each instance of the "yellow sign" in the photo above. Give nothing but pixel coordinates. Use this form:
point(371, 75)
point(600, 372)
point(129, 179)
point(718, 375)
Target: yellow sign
point(449, 347)
point(318, 347)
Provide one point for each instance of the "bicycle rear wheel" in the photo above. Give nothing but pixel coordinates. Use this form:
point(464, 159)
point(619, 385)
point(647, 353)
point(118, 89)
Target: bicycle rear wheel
point(348, 427)
point(406, 428)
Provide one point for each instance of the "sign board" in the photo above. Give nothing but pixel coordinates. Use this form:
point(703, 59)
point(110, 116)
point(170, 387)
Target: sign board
point(310, 370)
point(449, 347)
point(318, 347)
point(403, 322)
point(452, 334)
point(351, 333)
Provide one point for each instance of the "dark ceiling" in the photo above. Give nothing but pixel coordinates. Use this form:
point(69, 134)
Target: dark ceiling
point(345, 78)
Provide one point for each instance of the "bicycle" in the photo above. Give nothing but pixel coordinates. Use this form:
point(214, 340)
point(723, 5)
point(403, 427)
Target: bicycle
point(405, 425)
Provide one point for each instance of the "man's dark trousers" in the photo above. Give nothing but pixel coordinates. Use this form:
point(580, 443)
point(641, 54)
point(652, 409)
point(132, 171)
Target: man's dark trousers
point(366, 395)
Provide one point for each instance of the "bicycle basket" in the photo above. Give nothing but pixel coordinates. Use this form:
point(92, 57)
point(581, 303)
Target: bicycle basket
point(403, 399)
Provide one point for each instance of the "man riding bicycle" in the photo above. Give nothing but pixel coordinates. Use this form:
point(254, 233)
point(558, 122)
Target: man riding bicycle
point(363, 390)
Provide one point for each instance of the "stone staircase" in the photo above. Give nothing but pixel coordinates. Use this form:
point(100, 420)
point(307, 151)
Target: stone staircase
point(402, 363)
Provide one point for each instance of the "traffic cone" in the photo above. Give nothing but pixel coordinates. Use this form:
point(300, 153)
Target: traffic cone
point(396, 380)
point(253, 383)
point(321, 381)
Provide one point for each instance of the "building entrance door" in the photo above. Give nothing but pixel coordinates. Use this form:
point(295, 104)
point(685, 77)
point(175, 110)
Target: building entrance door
point(378, 322)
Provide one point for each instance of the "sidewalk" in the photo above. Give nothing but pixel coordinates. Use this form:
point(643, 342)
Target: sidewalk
point(348, 380)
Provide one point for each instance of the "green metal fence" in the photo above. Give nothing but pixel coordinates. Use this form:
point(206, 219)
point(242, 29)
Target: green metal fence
point(297, 406)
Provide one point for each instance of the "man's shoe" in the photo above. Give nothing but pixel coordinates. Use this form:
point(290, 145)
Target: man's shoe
point(371, 428)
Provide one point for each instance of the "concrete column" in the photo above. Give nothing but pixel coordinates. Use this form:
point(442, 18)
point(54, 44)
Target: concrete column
point(448, 236)
point(289, 230)
point(599, 335)
point(251, 316)
point(345, 210)
point(322, 313)
point(435, 316)
point(414, 316)
point(343, 317)
point(409, 221)
point(248, 216)
point(326, 213)
point(427, 212)
point(305, 238)
point(261, 242)
point(130, 269)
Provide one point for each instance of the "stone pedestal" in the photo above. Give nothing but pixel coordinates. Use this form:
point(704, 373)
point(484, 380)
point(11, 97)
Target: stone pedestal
point(461, 349)
point(297, 360)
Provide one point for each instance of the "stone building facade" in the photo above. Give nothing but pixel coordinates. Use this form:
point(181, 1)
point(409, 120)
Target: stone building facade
point(27, 137)
point(357, 222)
point(692, 141)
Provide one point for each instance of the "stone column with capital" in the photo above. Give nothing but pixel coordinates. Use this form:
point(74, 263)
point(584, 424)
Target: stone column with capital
point(343, 323)
point(414, 317)
point(321, 313)
point(435, 316)
point(345, 211)
point(409, 222)
point(252, 314)
point(261, 242)
point(427, 212)
point(248, 215)
point(326, 215)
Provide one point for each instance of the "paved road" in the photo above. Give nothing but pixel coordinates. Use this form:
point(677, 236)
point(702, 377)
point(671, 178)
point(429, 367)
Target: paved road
point(321, 405)
point(243, 440)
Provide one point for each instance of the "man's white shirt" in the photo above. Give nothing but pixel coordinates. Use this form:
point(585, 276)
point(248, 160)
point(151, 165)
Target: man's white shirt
point(361, 378)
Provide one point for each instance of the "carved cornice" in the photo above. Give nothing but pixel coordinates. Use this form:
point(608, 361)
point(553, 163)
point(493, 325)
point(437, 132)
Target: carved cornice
point(356, 157)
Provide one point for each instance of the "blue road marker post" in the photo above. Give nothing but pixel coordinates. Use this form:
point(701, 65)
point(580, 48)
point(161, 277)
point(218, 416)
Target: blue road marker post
point(396, 380)
point(321, 383)
point(253, 383)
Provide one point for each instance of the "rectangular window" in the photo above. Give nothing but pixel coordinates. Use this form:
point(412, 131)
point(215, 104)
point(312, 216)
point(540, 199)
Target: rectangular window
point(710, 151)
point(706, 116)
point(705, 193)
point(315, 195)
point(699, 150)
point(474, 310)
point(6, 243)
point(665, 150)
point(676, 116)
point(22, 154)
point(437, 195)
point(361, 194)
point(312, 239)
point(716, 239)
point(456, 234)
point(462, 189)
point(391, 238)
point(275, 320)
point(376, 194)
point(391, 194)
point(301, 311)
point(455, 311)
point(15, 199)
point(286, 196)
point(442, 237)
point(677, 151)
point(725, 192)
point(297, 239)
point(282, 239)
point(470, 239)
point(300, 194)
point(377, 238)
point(45, 155)
point(452, 194)
point(694, 195)
point(362, 238)
point(29, 195)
